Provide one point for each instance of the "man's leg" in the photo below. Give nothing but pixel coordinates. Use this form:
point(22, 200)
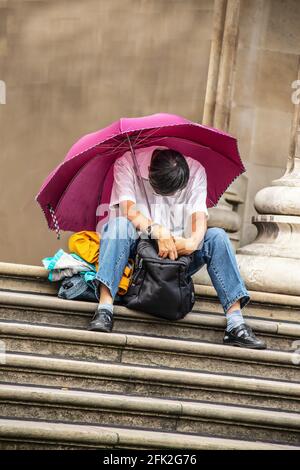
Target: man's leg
point(118, 239)
point(217, 253)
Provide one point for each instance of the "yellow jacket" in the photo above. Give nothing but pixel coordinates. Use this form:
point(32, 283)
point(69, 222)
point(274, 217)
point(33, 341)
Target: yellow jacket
point(86, 244)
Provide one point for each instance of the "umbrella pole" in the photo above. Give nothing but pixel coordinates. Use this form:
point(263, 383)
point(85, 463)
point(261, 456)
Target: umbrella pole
point(138, 173)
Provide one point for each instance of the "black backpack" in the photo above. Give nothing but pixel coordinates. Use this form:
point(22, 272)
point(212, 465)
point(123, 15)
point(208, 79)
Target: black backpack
point(160, 286)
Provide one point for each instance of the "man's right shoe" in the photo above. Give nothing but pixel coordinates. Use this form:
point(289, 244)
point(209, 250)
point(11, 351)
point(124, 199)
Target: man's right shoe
point(102, 320)
point(243, 337)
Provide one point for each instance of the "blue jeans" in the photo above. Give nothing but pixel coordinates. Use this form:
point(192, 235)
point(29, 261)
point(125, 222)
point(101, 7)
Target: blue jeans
point(118, 243)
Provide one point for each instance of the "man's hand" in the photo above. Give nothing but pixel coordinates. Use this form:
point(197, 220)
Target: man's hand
point(185, 246)
point(166, 245)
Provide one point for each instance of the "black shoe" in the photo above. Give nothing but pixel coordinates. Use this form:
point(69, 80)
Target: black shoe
point(102, 320)
point(243, 337)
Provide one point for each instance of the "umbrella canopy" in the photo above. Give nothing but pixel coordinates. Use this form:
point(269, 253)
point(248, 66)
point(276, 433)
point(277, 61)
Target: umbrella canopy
point(77, 187)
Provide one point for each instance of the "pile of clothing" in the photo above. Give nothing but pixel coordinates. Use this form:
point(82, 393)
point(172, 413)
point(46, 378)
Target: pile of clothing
point(77, 270)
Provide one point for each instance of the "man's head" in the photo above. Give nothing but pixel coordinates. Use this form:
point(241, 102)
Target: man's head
point(168, 172)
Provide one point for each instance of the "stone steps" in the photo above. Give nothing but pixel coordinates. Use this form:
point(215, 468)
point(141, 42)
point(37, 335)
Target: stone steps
point(26, 278)
point(182, 416)
point(25, 434)
point(33, 279)
point(204, 418)
point(148, 381)
point(151, 383)
point(147, 351)
point(206, 326)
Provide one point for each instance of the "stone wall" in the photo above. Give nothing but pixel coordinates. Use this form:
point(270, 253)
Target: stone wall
point(72, 67)
point(262, 110)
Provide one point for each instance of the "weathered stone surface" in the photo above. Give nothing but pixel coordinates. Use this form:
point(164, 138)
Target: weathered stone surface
point(147, 350)
point(69, 406)
point(93, 375)
point(94, 436)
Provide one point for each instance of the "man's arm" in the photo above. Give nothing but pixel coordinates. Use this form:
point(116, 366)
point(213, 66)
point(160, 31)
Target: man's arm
point(164, 238)
point(186, 246)
point(123, 197)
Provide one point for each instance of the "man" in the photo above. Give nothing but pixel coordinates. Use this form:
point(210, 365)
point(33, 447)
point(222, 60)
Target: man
point(176, 187)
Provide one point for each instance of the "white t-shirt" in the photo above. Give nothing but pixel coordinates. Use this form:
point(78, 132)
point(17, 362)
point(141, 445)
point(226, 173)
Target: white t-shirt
point(173, 212)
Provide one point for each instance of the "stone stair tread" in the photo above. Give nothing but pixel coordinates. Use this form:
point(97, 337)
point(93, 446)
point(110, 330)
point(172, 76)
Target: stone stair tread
point(118, 437)
point(143, 342)
point(19, 269)
point(160, 375)
point(134, 403)
point(206, 319)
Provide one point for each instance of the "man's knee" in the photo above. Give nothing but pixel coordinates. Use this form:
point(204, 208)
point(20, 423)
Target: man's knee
point(216, 233)
point(119, 228)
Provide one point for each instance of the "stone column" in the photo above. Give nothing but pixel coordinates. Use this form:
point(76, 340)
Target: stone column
point(214, 62)
point(218, 102)
point(271, 263)
point(227, 64)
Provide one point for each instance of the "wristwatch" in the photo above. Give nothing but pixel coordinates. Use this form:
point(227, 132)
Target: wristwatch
point(150, 227)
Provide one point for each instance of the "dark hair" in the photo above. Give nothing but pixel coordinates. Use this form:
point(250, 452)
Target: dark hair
point(168, 172)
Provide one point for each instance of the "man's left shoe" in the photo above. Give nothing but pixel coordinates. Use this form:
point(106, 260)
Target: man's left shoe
point(243, 337)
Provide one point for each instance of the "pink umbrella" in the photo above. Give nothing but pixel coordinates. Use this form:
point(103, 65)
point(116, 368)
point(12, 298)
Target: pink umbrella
point(72, 192)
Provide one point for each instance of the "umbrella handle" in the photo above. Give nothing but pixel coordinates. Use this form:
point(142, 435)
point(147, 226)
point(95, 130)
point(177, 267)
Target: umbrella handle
point(55, 221)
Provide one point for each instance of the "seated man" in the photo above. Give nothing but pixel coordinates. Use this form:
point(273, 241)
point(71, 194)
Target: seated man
point(176, 187)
